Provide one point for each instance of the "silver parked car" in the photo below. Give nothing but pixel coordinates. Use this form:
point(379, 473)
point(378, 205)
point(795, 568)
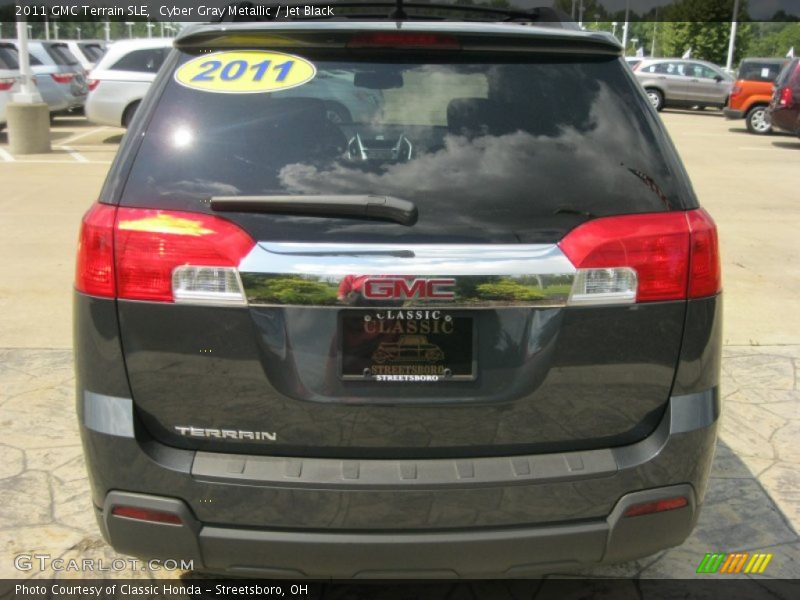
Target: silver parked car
point(9, 79)
point(678, 82)
point(122, 77)
point(59, 76)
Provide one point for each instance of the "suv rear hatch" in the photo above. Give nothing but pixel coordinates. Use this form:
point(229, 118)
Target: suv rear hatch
point(399, 224)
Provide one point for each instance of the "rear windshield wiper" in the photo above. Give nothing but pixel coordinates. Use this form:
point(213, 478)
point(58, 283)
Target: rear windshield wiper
point(353, 206)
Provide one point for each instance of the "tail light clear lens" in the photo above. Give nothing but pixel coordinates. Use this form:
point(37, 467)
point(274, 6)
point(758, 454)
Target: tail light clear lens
point(644, 258)
point(163, 256)
point(92, 84)
point(62, 77)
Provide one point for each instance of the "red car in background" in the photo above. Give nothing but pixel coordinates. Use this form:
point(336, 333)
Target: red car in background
point(784, 110)
point(752, 93)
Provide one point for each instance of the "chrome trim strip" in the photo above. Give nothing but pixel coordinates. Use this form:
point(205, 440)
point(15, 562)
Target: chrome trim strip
point(487, 276)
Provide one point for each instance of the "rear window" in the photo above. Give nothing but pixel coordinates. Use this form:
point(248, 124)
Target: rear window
point(488, 151)
point(143, 61)
point(788, 73)
point(760, 71)
point(8, 58)
point(60, 54)
point(92, 52)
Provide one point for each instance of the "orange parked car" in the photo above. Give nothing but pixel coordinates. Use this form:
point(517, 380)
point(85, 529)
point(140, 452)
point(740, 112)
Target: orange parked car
point(752, 92)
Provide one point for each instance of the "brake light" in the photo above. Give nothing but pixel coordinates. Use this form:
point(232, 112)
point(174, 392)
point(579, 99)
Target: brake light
point(644, 258)
point(403, 39)
point(737, 89)
point(786, 98)
point(705, 277)
point(159, 255)
point(648, 508)
point(62, 77)
point(146, 514)
point(92, 84)
point(6, 84)
point(94, 274)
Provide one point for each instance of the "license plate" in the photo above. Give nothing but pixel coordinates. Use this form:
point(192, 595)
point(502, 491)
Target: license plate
point(399, 345)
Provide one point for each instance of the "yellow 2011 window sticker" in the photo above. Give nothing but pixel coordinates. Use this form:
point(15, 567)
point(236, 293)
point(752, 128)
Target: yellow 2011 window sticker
point(245, 72)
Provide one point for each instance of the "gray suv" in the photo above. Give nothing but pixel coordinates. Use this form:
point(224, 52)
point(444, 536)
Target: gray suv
point(675, 82)
point(253, 268)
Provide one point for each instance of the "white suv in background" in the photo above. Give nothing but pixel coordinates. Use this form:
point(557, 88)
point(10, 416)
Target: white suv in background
point(121, 79)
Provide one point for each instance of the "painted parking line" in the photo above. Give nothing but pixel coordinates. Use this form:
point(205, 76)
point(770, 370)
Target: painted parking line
point(79, 136)
point(74, 153)
point(6, 156)
point(38, 161)
point(770, 148)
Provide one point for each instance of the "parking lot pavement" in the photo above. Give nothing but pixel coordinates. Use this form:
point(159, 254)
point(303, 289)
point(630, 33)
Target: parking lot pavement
point(748, 183)
point(42, 201)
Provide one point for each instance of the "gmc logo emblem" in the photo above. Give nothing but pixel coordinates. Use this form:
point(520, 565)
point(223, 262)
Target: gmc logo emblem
point(395, 288)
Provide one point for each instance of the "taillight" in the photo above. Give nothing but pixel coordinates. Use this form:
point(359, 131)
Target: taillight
point(6, 84)
point(62, 77)
point(404, 39)
point(643, 258)
point(94, 274)
point(146, 514)
point(92, 84)
point(163, 256)
point(737, 89)
point(786, 98)
point(705, 277)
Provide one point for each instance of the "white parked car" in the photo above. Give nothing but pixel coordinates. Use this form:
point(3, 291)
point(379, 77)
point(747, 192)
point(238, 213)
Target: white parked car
point(121, 79)
point(9, 80)
point(88, 52)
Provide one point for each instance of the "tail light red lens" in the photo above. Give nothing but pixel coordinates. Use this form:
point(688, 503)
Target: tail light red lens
point(92, 84)
point(737, 89)
point(648, 508)
point(402, 39)
point(705, 277)
point(145, 514)
point(659, 247)
point(62, 77)
point(785, 97)
point(94, 274)
point(6, 84)
point(140, 249)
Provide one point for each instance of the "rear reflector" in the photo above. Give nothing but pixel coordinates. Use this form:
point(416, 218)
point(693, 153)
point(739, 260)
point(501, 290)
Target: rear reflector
point(62, 77)
point(145, 514)
point(163, 256)
point(644, 258)
point(401, 39)
point(648, 508)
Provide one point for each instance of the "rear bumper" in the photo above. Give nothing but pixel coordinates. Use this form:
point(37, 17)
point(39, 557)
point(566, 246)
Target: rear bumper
point(320, 518)
point(731, 113)
point(515, 552)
